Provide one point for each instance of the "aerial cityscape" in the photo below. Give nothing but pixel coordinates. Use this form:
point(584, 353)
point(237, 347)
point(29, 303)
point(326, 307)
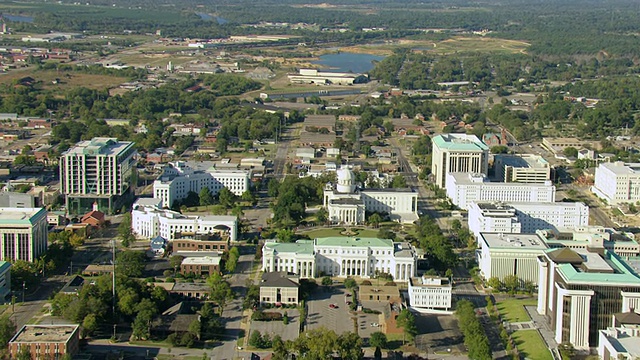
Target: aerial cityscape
point(311, 180)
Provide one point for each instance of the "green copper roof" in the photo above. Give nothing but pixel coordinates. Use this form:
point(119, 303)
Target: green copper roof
point(623, 275)
point(353, 241)
point(299, 247)
point(460, 142)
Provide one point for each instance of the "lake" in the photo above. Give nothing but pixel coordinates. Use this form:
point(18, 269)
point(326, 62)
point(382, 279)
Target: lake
point(344, 62)
point(18, 18)
point(208, 17)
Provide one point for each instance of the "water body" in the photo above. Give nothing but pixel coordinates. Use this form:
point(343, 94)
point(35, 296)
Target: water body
point(18, 18)
point(204, 16)
point(344, 62)
point(207, 17)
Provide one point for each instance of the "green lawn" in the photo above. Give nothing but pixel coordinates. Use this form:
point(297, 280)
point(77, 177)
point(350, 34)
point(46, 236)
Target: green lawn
point(336, 232)
point(512, 309)
point(531, 345)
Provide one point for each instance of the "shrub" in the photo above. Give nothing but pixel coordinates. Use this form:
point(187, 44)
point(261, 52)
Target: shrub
point(266, 316)
point(370, 311)
point(366, 283)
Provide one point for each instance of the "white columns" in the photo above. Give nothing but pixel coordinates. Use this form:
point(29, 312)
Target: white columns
point(579, 313)
point(630, 301)
point(542, 288)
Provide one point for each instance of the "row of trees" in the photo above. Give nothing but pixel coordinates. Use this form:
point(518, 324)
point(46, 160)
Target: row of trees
point(475, 338)
point(319, 344)
point(437, 247)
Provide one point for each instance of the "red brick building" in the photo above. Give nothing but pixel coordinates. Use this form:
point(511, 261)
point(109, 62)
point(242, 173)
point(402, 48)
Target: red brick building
point(46, 341)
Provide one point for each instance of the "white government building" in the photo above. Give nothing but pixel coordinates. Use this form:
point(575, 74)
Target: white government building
point(179, 178)
point(524, 168)
point(466, 188)
point(500, 254)
point(149, 219)
point(346, 204)
point(23, 233)
point(430, 292)
point(617, 182)
point(525, 218)
point(341, 257)
point(458, 153)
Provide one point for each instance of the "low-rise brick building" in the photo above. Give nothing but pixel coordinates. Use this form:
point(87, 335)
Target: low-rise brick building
point(46, 341)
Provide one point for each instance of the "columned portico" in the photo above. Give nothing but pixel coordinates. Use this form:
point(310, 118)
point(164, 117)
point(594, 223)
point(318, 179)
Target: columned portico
point(580, 311)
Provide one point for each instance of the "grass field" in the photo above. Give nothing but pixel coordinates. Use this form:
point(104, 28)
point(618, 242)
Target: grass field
point(530, 345)
point(67, 80)
point(512, 309)
point(336, 232)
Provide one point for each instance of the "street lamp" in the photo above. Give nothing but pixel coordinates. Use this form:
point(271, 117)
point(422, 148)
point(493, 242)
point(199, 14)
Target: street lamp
point(23, 287)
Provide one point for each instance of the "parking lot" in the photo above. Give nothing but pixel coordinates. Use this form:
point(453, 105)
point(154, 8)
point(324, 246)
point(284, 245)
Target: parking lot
point(286, 332)
point(339, 319)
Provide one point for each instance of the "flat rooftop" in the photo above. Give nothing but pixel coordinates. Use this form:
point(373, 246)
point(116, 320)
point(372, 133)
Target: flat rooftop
point(516, 241)
point(320, 120)
point(621, 168)
point(11, 216)
point(346, 241)
point(606, 270)
point(462, 142)
point(479, 179)
point(45, 333)
point(523, 161)
point(99, 146)
point(205, 260)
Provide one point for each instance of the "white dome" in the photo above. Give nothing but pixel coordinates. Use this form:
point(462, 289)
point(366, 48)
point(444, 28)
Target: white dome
point(346, 181)
point(344, 174)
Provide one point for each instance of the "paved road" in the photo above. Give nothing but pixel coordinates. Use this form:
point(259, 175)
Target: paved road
point(233, 311)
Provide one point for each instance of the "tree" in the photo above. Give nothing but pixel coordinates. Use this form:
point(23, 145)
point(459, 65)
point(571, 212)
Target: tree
point(255, 339)
point(89, 325)
point(349, 283)
point(398, 182)
point(322, 216)
point(7, 330)
point(378, 340)
point(349, 346)
point(195, 328)
point(130, 263)
point(422, 146)
point(125, 232)
point(407, 322)
point(220, 291)
point(499, 149)
point(248, 197)
point(141, 325)
point(286, 235)
point(227, 198)
point(326, 281)
point(375, 219)
point(386, 234)
point(280, 351)
point(494, 283)
point(449, 274)
point(206, 198)
point(175, 261)
point(570, 152)
point(76, 240)
point(232, 260)
point(511, 283)
point(237, 211)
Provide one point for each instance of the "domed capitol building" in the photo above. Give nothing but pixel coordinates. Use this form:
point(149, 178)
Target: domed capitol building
point(347, 204)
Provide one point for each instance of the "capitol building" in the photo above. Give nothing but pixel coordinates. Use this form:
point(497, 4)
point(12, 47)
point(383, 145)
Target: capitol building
point(347, 204)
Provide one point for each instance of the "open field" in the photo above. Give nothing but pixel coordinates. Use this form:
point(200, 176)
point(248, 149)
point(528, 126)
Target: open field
point(530, 345)
point(67, 79)
point(336, 232)
point(512, 309)
point(458, 44)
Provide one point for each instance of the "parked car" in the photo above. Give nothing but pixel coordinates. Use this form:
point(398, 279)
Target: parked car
point(333, 306)
point(375, 324)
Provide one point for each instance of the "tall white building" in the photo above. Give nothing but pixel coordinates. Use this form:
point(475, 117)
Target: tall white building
point(97, 171)
point(458, 153)
point(347, 204)
point(617, 182)
point(526, 217)
point(430, 292)
point(341, 257)
point(524, 168)
point(465, 188)
point(149, 219)
point(501, 255)
point(23, 233)
point(179, 178)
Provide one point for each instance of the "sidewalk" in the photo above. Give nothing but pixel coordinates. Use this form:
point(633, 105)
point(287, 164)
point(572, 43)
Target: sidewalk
point(540, 323)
